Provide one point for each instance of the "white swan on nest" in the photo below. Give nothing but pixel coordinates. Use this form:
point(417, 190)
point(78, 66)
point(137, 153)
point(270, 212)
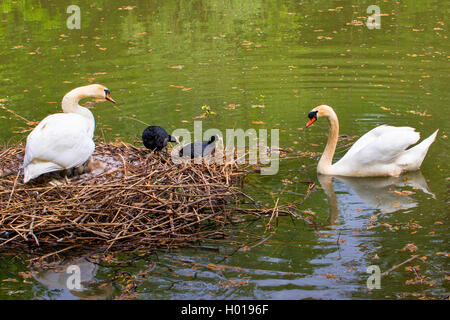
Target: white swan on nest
point(63, 140)
point(380, 152)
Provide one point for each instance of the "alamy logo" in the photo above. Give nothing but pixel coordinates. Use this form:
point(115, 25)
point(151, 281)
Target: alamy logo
point(74, 20)
point(374, 20)
point(374, 280)
point(74, 280)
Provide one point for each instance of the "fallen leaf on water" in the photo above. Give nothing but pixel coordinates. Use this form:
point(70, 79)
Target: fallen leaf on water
point(404, 192)
point(25, 274)
point(387, 225)
point(410, 246)
point(127, 8)
point(203, 115)
point(355, 23)
point(139, 34)
point(422, 114)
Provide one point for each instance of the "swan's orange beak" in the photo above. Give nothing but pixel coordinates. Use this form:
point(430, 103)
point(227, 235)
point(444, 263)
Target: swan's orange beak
point(108, 97)
point(310, 122)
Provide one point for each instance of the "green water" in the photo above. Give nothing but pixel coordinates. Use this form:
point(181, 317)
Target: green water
point(164, 60)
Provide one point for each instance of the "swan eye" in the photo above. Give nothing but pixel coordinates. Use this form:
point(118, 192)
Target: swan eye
point(313, 115)
point(108, 96)
point(312, 118)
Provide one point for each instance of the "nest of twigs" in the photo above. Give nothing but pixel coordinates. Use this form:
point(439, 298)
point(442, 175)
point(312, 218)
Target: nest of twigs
point(140, 197)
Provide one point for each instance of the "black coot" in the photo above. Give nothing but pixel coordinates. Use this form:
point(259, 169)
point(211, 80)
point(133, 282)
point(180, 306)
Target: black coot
point(199, 149)
point(156, 138)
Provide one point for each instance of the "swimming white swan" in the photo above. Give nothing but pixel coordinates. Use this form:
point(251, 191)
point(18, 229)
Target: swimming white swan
point(63, 140)
point(380, 152)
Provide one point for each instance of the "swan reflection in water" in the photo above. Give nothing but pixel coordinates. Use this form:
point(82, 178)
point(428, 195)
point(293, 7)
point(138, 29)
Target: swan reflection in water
point(376, 193)
point(58, 277)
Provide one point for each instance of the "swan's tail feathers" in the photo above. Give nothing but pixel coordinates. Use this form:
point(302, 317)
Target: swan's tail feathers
point(36, 168)
point(412, 158)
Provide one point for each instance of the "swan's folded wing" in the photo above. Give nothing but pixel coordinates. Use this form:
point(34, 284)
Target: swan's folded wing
point(368, 138)
point(61, 140)
point(387, 146)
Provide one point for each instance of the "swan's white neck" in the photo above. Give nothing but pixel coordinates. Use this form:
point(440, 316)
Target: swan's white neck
point(325, 162)
point(70, 105)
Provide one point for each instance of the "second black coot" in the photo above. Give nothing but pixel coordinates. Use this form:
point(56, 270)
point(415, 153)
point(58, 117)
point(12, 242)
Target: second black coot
point(199, 149)
point(156, 138)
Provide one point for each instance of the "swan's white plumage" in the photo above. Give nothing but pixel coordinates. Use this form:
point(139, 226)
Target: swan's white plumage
point(412, 158)
point(60, 141)
point(375, 140)
point(380, 152)
point(63, 140)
